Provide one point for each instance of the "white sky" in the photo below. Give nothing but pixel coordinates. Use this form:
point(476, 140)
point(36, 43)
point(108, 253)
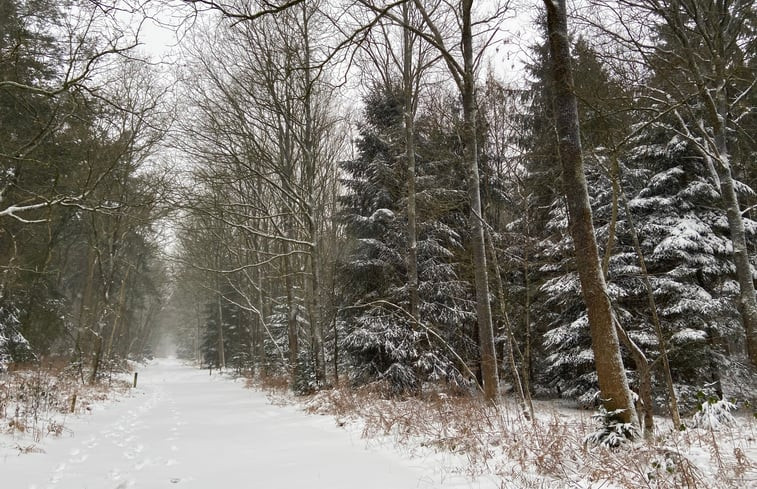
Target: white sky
point(160, 35)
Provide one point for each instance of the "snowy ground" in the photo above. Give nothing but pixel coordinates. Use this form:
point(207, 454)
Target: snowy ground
point(182, 428)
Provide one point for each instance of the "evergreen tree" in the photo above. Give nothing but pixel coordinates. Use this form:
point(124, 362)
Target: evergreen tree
point(237, 342)
point(539, 237)
point(28, 168)
point(685, 239)
point(383, 341)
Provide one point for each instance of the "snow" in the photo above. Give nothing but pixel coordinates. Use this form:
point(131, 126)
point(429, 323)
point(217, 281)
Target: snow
point(383, 215)
point(183, 428)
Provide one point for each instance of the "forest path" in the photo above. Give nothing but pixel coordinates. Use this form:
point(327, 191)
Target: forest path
point(185, 429)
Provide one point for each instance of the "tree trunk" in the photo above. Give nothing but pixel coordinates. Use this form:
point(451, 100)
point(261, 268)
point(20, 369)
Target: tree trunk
point(646, 418)
point(86, 310)
point(294, 348)
point(409, 115)
point(747, 301)
point(198, 317)
point(672, 397)
point(489, 372)
point(613, 382)
point(316, 326)
point(527, 367)
point(309, 151)
point(525, 396)
point(119, 314)
point(221, 350)
point(96, 359)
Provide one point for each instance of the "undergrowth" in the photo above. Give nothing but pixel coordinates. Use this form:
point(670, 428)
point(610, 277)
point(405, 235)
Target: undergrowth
point(548, 452)
point(36, 400)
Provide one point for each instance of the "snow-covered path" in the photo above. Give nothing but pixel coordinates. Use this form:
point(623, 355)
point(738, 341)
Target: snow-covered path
point(184, 429)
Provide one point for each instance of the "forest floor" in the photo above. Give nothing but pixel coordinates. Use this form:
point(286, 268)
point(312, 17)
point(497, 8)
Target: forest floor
point(550, 451)
point(184, 428)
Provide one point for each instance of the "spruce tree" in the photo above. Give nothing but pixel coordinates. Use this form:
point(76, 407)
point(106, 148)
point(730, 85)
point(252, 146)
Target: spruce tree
point(382, 339)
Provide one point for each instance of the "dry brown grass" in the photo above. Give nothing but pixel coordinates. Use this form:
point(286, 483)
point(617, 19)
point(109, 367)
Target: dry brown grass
point(36, 399)
point(269, 382)
point(549, 451)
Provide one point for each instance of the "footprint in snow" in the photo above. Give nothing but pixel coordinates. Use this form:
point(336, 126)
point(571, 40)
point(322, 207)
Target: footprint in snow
point(125, 484)
point(81, 459)
point(133, 452)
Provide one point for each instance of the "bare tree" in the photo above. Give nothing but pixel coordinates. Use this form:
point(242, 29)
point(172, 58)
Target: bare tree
point(405, 68)
point(268, 140)
point(463, 64)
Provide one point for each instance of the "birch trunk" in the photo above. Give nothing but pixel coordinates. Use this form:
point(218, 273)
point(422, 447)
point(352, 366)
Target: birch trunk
point(309, 152)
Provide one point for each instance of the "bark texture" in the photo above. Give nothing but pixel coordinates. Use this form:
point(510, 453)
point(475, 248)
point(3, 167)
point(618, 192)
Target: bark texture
point(747, 300)
point(483, 306)
point(613, 382)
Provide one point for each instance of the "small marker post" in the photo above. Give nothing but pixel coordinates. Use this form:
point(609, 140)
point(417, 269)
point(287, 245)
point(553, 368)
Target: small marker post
point(135, 380)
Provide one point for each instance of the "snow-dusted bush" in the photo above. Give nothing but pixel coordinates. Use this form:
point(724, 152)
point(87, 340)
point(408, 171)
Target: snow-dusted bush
point(13, 346)
point(714, 413)
point(612, 432)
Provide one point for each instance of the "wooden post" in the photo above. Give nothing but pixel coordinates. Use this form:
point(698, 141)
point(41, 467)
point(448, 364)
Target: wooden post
point(135, 379)
point(73, 402)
